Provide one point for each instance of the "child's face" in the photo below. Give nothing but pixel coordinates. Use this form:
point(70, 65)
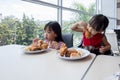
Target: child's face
point(93, 31)
point(49, 34)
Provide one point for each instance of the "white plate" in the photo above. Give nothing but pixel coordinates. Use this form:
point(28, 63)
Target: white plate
point(32, 52)
point(85, 54)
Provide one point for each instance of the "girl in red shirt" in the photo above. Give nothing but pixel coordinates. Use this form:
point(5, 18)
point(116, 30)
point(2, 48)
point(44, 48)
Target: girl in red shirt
point(93, 34)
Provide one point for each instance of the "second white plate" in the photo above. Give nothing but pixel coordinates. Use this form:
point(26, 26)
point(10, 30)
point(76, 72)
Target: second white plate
point(85, 54)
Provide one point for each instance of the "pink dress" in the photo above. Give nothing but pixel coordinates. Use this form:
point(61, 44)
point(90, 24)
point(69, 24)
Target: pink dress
point(58, 47)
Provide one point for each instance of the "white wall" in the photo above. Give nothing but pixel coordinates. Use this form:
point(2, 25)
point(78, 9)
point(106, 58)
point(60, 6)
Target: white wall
point(108, 8)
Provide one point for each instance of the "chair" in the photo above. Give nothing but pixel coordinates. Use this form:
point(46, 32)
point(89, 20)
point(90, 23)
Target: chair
point(68, 39)
point(117, 31)
point(112, 39)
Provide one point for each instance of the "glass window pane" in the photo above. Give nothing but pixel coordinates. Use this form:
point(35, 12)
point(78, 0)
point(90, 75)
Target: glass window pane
point(23, 21)
point(18, 8)
point(50, 1)
point(112, 23)
point(70, 18)
point(83, 5)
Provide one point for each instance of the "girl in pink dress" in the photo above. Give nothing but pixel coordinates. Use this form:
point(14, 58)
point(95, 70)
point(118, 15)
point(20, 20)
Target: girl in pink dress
point(93, 34)
point(52, 35)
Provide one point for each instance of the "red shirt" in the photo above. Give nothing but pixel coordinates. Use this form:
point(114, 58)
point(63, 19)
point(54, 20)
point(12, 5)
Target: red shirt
point(94, 41)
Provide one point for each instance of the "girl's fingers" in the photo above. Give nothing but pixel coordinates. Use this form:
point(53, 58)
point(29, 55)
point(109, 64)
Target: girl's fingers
point(50, 44)
point(55, 44)
point(102, 49)
point(35, 40)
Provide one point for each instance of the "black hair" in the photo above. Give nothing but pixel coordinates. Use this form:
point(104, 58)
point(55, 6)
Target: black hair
point(55, 26)
point(99, 22)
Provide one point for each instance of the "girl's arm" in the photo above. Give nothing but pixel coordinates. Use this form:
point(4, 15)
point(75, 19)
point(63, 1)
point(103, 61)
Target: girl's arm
point(106, 46)
point(75, 27)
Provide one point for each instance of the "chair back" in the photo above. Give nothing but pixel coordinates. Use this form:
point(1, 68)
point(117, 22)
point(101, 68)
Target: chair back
point(68, 39)
point(112, 39)
point(117, 31)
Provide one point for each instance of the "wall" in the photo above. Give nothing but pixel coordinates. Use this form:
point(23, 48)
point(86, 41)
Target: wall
point(108, 8)
point(118, 13)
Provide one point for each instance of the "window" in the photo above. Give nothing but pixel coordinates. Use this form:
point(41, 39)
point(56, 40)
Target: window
point(24, 20)
point(50, 1)
point(70, 17)
point(75, 4)
point(109, 10)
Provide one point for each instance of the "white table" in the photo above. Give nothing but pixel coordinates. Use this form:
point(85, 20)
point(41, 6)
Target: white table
point(103, 68)
point(16, 65)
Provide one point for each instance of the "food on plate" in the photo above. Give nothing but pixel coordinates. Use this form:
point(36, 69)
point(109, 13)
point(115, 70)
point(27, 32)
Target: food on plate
point(67, 54)
point(28, 48)
point(39, 45)
point(72, 52)
point(69, 51)
point(63, 50)
point(87, 34)
point(75, 55)
point(44, 46)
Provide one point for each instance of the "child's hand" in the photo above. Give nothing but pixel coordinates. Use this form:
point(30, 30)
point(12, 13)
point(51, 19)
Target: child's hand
point(79, 26)
point(83, 23)
point(35, 41)
point(54, 44)
point(102, 49)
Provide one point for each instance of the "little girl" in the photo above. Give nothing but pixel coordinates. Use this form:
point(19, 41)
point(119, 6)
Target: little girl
point(93, 34)
point(52, 35)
